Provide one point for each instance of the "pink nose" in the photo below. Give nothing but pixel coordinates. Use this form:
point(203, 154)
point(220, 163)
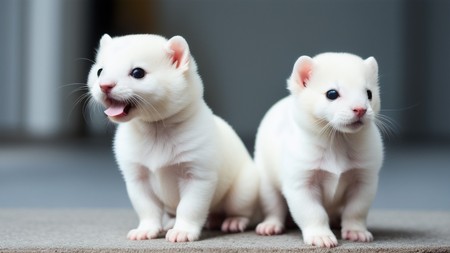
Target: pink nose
point(106, 87)
point(359, 112)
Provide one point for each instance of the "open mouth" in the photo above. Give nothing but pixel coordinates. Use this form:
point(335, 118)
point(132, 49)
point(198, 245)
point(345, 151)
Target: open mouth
point(117, 108)
point(356, 124)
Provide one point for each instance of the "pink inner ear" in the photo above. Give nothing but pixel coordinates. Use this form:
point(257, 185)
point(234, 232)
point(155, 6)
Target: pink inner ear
point(305, 74)
point(177, 57)
point(303, 69)
point(178, 54)
point(179, 51)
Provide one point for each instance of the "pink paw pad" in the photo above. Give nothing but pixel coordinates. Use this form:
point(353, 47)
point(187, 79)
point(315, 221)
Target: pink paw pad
point(323, 241)
point(174, 235)
point(235, 224)
point(142, 234)
point(269, 228)
point(357, 236)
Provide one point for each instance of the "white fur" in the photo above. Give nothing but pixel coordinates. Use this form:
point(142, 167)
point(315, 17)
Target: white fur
point(177, 158)
point(308, 151)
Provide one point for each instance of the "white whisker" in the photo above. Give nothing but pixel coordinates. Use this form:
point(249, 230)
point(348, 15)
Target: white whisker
point(327, 130)
point(85, 59)
point(94, 107)
point(146, 105)
point(72, 84)
point(386, 125)
point(79, 89)
point(401, 109)
point(81, 99)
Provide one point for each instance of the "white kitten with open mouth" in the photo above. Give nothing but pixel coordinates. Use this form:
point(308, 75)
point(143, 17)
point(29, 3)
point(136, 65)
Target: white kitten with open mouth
point(178, 159)
point(319, 150)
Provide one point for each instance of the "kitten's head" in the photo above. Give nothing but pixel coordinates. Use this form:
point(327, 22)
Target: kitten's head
point(143, 76)
point(336, 90)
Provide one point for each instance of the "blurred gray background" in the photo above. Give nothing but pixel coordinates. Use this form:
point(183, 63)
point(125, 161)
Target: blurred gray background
point(55, 150)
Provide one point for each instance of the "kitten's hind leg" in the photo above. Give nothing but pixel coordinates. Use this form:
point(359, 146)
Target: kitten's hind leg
point(240, 202)
point(274, 208)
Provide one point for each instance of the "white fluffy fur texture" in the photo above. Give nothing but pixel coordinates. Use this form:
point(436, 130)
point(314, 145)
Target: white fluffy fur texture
point(180, 162)
point(322, 154)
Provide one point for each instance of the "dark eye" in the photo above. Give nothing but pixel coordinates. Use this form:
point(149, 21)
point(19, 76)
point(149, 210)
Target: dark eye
point(99, 71)
point(332, 94)
point(137, 73)
point(369, 94)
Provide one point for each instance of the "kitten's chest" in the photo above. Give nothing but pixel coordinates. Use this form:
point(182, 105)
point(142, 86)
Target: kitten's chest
point(157, 152)
point(339, 170)
point(338, 159)
point(152, 146)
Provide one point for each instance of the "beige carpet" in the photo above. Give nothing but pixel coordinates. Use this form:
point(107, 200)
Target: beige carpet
point(105, 230)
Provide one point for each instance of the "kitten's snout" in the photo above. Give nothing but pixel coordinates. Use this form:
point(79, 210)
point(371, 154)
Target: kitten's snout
point(107, 87)
point(359, 112)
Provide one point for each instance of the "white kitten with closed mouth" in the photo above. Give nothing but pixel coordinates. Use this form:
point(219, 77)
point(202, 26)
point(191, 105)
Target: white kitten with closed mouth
point(320, 150)
point(177, 158)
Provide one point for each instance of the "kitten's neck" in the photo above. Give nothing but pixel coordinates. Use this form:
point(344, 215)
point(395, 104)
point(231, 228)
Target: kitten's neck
point(184, 115)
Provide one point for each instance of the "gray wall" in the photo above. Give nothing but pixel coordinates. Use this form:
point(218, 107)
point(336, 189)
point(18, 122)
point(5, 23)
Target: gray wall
point(245, 51)
point(41, 46)
point(436, 85)
point(9, 65)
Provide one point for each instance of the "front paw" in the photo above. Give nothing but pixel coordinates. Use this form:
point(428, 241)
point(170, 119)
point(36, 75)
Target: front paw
point(177, 235)
point(320, 239)
point(328, 241)
point(143, 234)
point(235, 224)
point(357, 235)
point(270, 228)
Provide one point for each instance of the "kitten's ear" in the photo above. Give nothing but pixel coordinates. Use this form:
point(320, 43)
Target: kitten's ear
point(178, 49)
point(301, 73)
point(105, 39)
point(372, 67)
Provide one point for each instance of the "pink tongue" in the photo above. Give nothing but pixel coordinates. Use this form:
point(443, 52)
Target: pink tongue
point(116, 109)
